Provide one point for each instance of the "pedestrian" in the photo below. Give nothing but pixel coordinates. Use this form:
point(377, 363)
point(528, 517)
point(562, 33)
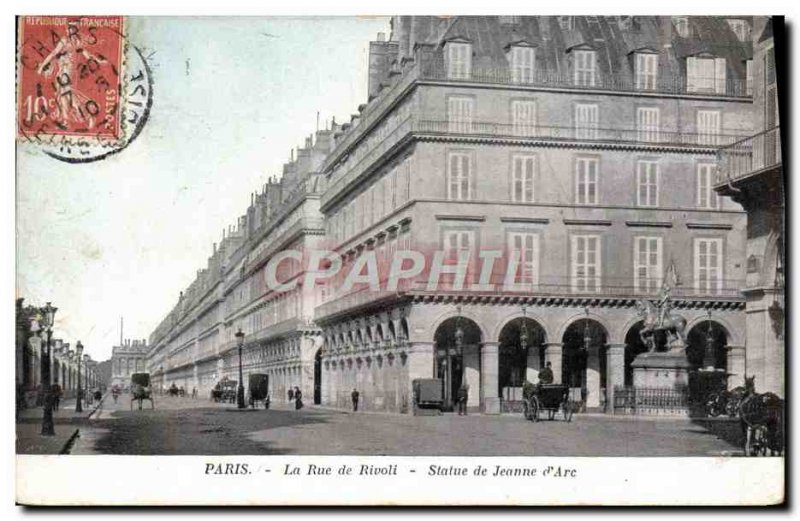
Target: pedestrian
point(291, 394)
point(354, 396)
point(266, 402)
point(194, 393)
point(463, 393)
point(298, 399)
point(56, 396)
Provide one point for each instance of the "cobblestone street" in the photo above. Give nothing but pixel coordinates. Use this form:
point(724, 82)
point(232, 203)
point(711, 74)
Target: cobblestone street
point(194, 427)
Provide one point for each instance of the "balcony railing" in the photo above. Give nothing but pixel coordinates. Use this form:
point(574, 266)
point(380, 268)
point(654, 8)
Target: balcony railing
point(664, 84)
point(749, 156)
point(723, 289)
point(640, 136)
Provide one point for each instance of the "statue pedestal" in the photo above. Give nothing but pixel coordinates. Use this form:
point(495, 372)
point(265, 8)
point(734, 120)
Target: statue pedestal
point(667, 370)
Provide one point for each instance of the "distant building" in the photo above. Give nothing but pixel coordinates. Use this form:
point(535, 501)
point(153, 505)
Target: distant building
point(126, 359)
point(751, 173)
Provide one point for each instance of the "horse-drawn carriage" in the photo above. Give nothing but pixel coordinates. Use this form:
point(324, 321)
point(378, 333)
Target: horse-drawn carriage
point(762, 421)
point(428, 397)
point(259, 389)
point(140, 390)
point(224, 391)
point(548, 397)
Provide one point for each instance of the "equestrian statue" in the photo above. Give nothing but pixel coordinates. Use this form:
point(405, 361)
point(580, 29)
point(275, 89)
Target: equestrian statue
point(658, 317)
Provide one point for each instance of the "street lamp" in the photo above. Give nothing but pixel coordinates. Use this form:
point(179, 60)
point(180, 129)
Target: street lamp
point(79, 393)
point(708, 362)
point(240, 390)
point(49, 315)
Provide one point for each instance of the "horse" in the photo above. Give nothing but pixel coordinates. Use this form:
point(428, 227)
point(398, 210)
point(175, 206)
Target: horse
point(761, 417)
point(673, 326)
point(140, 393)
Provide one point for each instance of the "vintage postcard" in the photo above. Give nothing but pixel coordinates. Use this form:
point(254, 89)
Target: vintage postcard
point(400, 260)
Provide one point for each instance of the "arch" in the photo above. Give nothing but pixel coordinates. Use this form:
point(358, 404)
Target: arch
point(514, 362)
point(404, 332)
point(453, 313)
point(582, 315)
point(583, 365)
point(634, 346)
point(449, 360)
point(513, 315)
point(732, 338)
point(697, 345)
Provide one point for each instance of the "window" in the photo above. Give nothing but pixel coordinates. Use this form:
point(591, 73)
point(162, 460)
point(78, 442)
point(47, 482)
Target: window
point(740, 28)
point(647, 183)
point(586, 180)
point(459, 114)
point(455, 242)
point(646, 71)
point(681, 24)
point(585, 263)
point(509, 20)
point(706, 196)
point(769, 66)
point(522, 63)
point(708, 127)
point(647, 264)
point(708, 265)
point(585, 68)
point(565, 22)
point(527, 244)
point(706, 75)
point(403, 175)
point(458, 176)
point(459, 60)
point(647, 124)
point(586, 121)
point(749, 77)
point(522, 178)
point(523, 118)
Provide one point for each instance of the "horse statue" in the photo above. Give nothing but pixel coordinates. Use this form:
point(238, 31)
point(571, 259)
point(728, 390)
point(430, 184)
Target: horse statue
point(659, 319)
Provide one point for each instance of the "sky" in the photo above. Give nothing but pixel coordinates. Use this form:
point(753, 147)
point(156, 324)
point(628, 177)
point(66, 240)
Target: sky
point(232, 96)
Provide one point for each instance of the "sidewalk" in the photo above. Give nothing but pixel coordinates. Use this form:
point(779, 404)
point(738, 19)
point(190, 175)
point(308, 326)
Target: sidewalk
point(66, 423)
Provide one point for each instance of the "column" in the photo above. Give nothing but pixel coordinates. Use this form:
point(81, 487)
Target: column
point(490, 367)
point(552, 354)
point(736, 365)
point(593, 377)
point(615, 372)
point(420, 365)
point(533, 366)
point(472, 375)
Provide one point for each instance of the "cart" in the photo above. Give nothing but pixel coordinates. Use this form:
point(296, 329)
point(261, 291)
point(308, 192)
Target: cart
point(259, 389)
point(224, 391)
point(550, 398)
point(140, 390)
point(428, 397)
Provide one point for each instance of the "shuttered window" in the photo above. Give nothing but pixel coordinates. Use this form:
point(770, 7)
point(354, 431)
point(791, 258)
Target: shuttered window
point(458, 176)
point(523, 118)
point(647, 124)
point(522, 64)
point(523, 174)
point(708, 127)
point(585, 68)
point(706, 196)
point(708, 265)
point(527, 244)
point(586, 263)
point(586, 180)
point(459, 114)
point(586, 121)
point(706, 75)
point(646, 71)
point(647, 264)
point(647, 183)
point(459, 60)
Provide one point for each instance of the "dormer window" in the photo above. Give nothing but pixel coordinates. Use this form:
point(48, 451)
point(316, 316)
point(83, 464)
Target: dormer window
point(740, 28)
point(459, 59)
point(522, 63)
point(706, 74)
point(565, 22)
point(646, 70)
point(681, 24)
point(585, 68)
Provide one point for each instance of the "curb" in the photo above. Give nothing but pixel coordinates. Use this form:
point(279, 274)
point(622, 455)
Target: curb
point(97, 407)
point(68, 445)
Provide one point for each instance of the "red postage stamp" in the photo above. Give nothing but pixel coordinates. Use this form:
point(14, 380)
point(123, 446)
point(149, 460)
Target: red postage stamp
point(70, 76)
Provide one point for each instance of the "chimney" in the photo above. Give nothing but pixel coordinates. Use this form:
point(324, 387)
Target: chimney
point(381, 37)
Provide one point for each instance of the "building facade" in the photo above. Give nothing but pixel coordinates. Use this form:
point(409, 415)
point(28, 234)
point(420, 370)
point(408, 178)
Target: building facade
point(127, 358)
point(585, 148)
point(195, 346)
point(751, 173)
point(585, 144)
